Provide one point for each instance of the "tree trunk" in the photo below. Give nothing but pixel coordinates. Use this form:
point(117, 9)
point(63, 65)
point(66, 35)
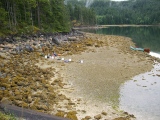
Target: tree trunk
point(32, 20)
point(15, 16)
point(38, 14)
point(9, 18)
point(24, 11)
point(11, 13)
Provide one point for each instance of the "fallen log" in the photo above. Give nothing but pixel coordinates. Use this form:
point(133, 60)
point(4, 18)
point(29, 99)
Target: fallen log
point(27, 113)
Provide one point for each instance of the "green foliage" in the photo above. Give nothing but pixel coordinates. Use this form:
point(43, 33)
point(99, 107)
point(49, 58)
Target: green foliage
point(3, 22)
point(81, 14)
point(127, 12)
point(30, 16)
point(6, 116)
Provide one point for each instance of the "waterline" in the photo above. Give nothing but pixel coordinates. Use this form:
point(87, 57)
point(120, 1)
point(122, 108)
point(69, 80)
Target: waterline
point(154, 54)
point(141, 97)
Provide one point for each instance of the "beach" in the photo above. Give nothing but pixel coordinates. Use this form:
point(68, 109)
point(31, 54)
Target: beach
point(102, 71)
point(89, 82)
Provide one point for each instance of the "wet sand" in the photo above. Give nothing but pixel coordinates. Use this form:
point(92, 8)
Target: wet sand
point(94, 84)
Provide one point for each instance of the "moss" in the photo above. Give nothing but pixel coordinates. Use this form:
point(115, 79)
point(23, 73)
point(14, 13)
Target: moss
point(43, 81)
point(89, 42)
point(33, 107)
point(7, 116)
point(5, 85)
point(121, 118)
point(42, 107)
point(60, 114)
point(50, 89)
point(97, 45)
point(18, 78)
point(18, 97)
point(17, 92)
point(72, 115)
point(6, 93)
point(24, 105)
point(52, 96)
point(18, 103)
point(38, 94)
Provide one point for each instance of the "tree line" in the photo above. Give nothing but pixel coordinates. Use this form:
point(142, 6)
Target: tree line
point(81, 15)
point(127, 12)
point(29, 16)
point(32, 16)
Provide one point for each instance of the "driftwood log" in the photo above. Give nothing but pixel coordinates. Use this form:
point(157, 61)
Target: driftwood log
point(27, 113)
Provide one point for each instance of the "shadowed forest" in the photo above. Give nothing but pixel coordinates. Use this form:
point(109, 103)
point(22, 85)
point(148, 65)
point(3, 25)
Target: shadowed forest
point(32, 16)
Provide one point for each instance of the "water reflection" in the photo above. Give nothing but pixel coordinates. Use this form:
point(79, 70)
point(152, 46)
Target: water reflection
point(141, 95)
point(146, 37)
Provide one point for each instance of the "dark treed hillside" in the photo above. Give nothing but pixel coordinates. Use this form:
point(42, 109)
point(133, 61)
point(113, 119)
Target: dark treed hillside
point(28, 16)
point(127, 12)
point(31, 16)
point(80, 15)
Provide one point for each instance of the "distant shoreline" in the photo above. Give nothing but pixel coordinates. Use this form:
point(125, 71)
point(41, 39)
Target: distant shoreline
point(105, 26)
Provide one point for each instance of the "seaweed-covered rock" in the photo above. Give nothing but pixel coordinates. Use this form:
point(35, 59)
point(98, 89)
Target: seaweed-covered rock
point(72, 115)
point(97, 117)
point(42, 107)
point(60, 114)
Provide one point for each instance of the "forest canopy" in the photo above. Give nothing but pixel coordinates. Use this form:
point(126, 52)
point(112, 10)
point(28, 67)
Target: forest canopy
point(31, 16)
point(127, 12)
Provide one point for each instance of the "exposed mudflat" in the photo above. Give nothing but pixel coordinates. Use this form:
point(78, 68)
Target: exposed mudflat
point(98, 78)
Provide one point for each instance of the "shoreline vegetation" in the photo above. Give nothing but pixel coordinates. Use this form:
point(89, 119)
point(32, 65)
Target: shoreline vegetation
point(52, 80)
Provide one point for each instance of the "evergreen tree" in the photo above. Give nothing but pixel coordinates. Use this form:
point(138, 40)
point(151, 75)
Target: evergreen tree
point(30, 16)
point(127, 12)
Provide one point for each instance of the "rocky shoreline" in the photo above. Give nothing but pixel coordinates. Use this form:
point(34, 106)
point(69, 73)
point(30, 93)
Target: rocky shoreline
point(31, 81)
point(18, 44)
point(25, 84)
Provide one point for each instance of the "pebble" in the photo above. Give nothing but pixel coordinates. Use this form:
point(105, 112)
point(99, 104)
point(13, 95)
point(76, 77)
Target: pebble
point(97, 117)
point(104, 113)
point(88, 117)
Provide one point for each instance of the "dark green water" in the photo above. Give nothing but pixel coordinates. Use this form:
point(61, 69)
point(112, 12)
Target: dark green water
point(145, 37)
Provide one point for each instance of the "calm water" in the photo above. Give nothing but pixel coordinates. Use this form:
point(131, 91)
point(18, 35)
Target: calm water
point(146, 37)
point(141, 95)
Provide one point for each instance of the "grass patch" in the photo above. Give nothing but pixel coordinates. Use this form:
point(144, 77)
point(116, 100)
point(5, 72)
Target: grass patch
point(4, 116)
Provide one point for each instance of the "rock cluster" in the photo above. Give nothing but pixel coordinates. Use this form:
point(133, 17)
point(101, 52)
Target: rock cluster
point(18, 44)
point(29, 86)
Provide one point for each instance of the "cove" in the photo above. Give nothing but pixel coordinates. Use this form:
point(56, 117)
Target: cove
point(140, 96)
point(145, 37)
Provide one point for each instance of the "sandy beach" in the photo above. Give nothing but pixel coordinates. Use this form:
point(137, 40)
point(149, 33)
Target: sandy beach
point(83, 80)
point(96, 81)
